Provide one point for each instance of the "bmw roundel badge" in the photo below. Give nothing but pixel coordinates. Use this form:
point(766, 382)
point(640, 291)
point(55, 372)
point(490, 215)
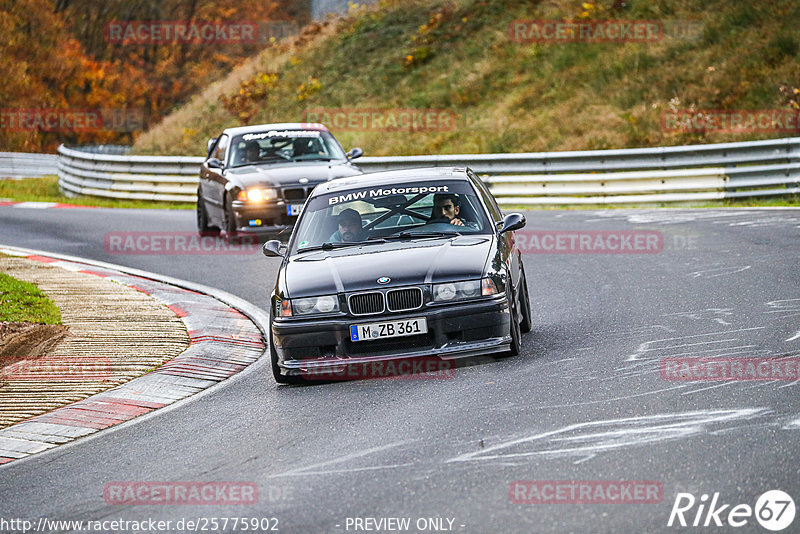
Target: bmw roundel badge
point(384, 280)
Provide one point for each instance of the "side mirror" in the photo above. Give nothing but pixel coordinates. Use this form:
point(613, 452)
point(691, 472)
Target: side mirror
point(211, 145)
point(214, 163)
point(273, 248)
point(512, 221)
point(355, 153)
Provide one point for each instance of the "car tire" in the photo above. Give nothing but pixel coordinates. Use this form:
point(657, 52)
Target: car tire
point(229, 220)
point(276, 370)
point(202, 218)
point(514, 327)
point(525, 305)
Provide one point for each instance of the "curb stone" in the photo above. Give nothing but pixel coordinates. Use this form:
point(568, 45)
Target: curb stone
point(223, 342)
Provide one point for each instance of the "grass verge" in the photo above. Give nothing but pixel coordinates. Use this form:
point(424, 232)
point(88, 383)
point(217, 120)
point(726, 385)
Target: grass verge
point(46, 190)
point(24, 302)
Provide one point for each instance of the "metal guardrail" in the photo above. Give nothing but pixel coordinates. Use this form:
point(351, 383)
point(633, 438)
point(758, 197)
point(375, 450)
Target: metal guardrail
point(160, 178)
point(25, 165)
point(640, 175)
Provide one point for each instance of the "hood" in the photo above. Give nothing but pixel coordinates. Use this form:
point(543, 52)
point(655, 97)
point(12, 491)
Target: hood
point(404, 262)
point(290, 173)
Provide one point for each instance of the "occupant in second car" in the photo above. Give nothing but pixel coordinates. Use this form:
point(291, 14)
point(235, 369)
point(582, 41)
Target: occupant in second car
point(350, 228)
point(252, 151)
point(447, 206)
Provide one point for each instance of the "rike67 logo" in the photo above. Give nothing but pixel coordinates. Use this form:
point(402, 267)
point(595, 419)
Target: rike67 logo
point(774, 510)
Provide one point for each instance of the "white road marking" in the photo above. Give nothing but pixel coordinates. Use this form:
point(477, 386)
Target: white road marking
point(646, 346)
point(612, 399)
point(710, 313)
point(598, 436)
point(792, 425)
point(35, 205)
point(718, 271)
point(339, 471)
point(786, 307)
point(352, 456)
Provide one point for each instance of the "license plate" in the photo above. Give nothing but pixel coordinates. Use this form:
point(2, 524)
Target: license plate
point(373, 331)
point(294, 209)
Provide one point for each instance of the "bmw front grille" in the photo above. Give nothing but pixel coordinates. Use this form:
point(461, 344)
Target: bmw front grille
point(393, 300)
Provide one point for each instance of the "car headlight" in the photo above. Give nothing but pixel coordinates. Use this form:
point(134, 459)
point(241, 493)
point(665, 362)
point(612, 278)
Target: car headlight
point(258, 194)
point(311, 305)
point(457, 290)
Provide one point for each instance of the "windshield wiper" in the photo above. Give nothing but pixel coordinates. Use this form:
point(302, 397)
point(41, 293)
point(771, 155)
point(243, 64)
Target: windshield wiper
point(407, 235)
point(329, 245)
point(318, 158)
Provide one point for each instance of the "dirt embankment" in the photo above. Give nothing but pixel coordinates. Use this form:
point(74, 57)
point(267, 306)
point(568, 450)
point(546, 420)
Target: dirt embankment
point(28, 341)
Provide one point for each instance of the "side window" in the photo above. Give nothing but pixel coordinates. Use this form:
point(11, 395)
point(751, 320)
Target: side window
point(487, 197)
point(222, 148)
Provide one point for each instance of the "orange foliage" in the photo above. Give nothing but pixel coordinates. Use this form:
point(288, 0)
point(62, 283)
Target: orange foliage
point(56, 55)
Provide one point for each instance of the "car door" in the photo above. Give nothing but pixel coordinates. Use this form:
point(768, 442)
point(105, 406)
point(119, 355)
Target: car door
point(509, 253)
point(212, 180)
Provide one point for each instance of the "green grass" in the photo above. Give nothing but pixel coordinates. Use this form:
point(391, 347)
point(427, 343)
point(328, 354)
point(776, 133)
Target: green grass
point(23, 302)
point(46, 190)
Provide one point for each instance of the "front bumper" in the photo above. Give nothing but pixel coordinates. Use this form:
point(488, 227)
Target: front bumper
point(308, 347)
point(263, 216)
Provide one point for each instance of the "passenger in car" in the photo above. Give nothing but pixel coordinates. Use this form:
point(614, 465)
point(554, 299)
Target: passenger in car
point(350, 227)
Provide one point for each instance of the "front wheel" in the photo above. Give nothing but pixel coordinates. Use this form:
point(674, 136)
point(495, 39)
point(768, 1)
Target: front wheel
point(229, 219)
point(516, 336)
point(276, 370)
point(203, 225)
point(525, 305)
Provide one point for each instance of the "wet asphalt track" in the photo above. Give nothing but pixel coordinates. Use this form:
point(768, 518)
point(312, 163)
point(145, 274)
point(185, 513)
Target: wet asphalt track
point(585, 400)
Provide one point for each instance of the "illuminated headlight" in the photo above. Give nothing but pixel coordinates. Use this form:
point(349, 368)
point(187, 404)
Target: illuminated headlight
point(258, 195)
point(310, 305)
point(456, 291)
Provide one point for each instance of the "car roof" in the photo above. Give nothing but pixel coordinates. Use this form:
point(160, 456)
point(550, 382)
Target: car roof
point(277, 126)
point(423, 174)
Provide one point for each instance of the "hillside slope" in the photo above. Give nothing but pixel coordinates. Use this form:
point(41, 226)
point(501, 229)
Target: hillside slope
point(457, 57)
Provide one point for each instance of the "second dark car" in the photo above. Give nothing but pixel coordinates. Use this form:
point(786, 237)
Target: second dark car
point(257, 178)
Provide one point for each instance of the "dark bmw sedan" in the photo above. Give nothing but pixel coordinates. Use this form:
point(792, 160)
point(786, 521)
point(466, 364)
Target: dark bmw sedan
point(393, 266)
point(257, 178)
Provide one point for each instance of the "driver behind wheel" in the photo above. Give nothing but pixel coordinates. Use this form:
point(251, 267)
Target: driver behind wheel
point(252, 151)
point(447, 207)
point(350, 229)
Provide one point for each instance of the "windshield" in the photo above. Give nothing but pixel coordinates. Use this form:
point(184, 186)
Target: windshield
point(274, 146)
point(379, 213)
